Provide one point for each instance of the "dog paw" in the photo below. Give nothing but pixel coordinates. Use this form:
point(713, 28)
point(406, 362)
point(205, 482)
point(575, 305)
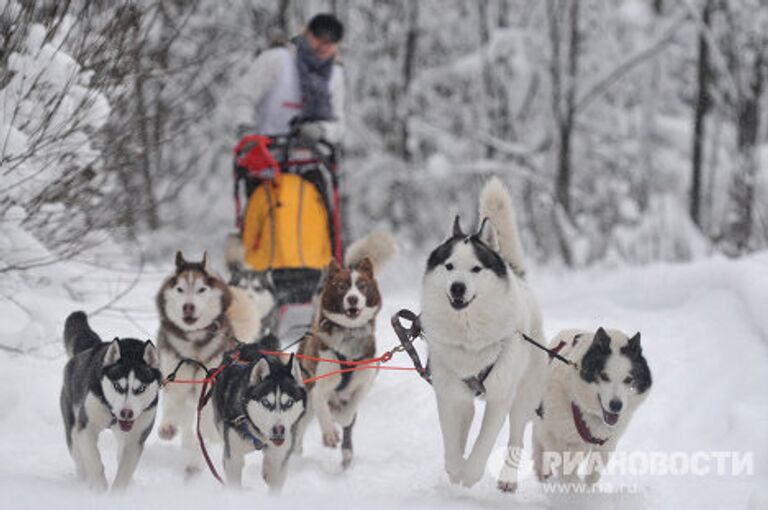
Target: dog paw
point(98, 484)
point(346, 458)
point(331, 438)
point(191, 471)
point(167, 431)
point(592, 478)
point(453, 470)
point(472, 473)
point(506, 486)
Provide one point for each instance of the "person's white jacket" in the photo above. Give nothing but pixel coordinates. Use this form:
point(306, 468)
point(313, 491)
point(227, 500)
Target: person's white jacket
point(268, 95)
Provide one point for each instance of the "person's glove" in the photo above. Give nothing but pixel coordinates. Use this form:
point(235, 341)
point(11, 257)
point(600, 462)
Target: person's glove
point(311, 132)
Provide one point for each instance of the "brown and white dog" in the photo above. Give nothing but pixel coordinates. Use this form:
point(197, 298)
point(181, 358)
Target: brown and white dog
point(192, 304)
point(344, 329)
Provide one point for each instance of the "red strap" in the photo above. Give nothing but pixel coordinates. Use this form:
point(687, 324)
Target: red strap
point(200, 405)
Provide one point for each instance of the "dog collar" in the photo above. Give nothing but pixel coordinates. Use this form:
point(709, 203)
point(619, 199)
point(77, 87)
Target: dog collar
point(583, 429)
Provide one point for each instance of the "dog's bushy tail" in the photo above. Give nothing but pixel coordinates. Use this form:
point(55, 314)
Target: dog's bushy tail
point(496, 205)
point(379, 246)
point(78, 335)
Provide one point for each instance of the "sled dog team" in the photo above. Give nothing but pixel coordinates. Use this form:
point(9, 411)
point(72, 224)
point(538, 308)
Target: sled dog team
point(475, 308)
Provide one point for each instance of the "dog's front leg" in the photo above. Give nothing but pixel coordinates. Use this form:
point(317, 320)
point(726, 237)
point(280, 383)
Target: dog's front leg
point(86, 441)
point(347, 413)
point(131, 446)
point(178, 409)
point(596, 463)
point(274, 467)
point(233, 459)
point(129, 455)
point(320, 395)
point(493, 419)
point(455, 413)
point(301, 428)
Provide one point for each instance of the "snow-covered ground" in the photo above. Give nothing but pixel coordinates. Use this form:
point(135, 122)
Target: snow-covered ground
point(703, 331)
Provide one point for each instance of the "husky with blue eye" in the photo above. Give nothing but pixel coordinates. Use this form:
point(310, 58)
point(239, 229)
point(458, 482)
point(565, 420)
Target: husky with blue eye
point(585, 412)
point(258, 403)
point(107, 385)
point(476, 305)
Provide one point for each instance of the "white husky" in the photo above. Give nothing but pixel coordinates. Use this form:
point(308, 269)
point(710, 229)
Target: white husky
point(475, 304)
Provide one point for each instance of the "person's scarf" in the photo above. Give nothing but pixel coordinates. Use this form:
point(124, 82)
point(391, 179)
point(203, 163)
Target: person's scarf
point(314, 81)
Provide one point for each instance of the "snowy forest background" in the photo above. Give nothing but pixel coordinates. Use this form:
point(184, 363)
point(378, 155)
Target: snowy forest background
point(633, 134)
point(631, 130)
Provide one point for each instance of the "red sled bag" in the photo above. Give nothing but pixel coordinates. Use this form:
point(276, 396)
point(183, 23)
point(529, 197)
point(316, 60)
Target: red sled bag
point(252, 154)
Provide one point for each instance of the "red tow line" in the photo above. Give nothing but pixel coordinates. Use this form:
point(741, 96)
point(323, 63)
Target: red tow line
point(209, 380)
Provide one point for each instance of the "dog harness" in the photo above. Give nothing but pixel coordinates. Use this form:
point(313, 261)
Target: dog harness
point(241, 425)
point(583, 429)
point(346, 377)
point(476, 383)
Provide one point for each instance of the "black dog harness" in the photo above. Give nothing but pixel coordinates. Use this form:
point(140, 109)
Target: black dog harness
point(241, 424)
point(407, 335)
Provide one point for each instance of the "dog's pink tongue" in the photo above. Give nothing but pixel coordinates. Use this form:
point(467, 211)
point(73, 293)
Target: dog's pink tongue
point(610, 418)
point(125, 426)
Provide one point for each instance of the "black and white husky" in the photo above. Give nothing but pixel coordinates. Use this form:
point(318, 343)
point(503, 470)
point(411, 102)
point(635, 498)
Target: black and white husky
point(258, 402)
point(585, 412)
point(475, 304)
point(192, 304)
point(107, 385)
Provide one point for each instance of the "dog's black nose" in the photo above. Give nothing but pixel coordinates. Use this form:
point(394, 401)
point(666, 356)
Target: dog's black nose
point(352, 300)
point(615, 405)
point(278, 430)
point(188, 309)
point(126, 415)
point(457, 290)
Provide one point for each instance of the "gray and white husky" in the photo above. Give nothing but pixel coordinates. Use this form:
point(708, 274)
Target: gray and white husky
point(475, 304)
point(192, 304)
point(585, 412)
point(254, 311)
point(107, 385)
point(258, 402)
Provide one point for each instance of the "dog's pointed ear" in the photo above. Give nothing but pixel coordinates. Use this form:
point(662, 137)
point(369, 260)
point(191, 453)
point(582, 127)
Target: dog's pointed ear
point(180, 262)
point(259, 372)
point(296, 370)
point(365, 266)
point(333, 266)
point(113, 353)
point(235, 276)
point(487, 234)
point(602, 339)
point(457, 232)
point(207, 263)
point(150, 355)
point(633, 347)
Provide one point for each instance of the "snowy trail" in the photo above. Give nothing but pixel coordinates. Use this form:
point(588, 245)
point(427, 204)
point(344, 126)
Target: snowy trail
point(705, 332)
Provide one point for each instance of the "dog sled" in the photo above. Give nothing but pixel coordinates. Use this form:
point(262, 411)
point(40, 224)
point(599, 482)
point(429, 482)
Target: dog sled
point(287, 216)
